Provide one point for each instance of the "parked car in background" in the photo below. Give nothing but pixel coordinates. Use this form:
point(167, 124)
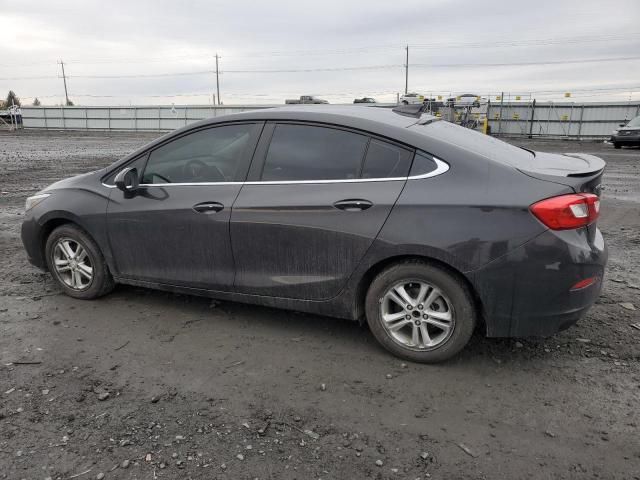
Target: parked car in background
point(421, 227)
point(305, 99)
point(364, 100)
point(465, 100)
point(627, 135)
point(412, 99)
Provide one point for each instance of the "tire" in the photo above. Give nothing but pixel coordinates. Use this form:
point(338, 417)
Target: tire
point(404, 102)
point(101, 281)
point(455, 299)
point(617, 145)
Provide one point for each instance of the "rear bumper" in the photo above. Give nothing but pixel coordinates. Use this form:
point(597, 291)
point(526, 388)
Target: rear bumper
point(528, 292)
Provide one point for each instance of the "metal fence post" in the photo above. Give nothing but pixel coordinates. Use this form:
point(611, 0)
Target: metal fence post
point(570, 119)
point(500, 114)
point(531, 115)
point(135, 119)
point(86, 119)
point(44, 112)
point(63, 122)
point(109, 118)
point(580, 122)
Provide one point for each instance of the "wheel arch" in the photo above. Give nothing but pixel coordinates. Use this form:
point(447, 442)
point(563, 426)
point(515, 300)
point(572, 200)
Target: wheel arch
point(53, 221)
point(376, 268)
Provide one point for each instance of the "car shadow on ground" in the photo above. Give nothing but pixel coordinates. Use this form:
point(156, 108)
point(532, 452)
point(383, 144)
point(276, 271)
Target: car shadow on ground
point(343, 335)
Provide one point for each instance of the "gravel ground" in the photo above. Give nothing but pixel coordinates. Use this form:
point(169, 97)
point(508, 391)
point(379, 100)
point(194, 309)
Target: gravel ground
point(145, 384)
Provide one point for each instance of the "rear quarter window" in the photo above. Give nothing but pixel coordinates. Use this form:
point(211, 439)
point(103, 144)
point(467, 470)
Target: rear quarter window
point(423, 163)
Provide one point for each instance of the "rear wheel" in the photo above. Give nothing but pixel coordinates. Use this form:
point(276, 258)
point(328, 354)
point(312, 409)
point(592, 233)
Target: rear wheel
point(76, 263)
point(420, 312)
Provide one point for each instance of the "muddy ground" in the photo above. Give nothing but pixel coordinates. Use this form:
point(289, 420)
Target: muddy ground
point(144, 384)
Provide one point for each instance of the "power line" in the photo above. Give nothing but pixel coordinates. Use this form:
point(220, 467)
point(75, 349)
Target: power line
point(337, 69)
point(359, 50)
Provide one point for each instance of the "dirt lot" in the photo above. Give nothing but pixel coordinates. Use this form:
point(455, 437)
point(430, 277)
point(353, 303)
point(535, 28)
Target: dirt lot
point(144, 384)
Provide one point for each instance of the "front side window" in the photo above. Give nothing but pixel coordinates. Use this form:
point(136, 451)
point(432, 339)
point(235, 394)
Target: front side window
point(385, 160)
point(305, 152)
point(211, 155)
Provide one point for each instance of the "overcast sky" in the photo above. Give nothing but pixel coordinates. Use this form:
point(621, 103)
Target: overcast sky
point(348, 49)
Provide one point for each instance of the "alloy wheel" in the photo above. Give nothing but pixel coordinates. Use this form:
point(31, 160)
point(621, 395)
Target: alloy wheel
point(417, 315)
point(72, 263)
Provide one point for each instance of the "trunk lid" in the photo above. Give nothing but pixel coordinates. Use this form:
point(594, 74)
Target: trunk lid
point(580, 171)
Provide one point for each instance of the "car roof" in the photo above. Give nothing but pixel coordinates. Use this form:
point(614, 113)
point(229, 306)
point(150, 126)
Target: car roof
point(362, 117)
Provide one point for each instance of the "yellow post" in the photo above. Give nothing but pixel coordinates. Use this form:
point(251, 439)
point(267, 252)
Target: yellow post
point(485, 125)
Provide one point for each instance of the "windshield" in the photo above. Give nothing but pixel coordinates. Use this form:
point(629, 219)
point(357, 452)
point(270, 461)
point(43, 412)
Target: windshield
point(634, 123)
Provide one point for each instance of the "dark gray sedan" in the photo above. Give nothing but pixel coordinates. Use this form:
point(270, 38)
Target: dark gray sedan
point(628, 135)
point(425, 229)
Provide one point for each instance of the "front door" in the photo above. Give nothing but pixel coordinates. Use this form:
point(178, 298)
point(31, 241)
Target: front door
point(316, 199)
point(175, 228)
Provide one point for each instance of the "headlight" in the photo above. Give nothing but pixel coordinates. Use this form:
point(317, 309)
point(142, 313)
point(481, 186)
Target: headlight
point(614, 132)
point(35, 200)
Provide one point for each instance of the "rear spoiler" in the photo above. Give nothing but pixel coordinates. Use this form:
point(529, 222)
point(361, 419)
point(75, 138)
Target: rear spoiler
point(596, 164)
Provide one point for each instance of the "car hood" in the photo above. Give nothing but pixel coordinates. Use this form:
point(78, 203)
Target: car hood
point(78, 181)
point(628, 129)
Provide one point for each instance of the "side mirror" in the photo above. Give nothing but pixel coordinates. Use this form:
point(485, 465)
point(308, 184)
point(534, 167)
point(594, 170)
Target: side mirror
point(127, 180)
point(621, 124)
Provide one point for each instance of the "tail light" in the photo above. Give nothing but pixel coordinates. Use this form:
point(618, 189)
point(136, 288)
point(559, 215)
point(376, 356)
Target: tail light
point(567, 211)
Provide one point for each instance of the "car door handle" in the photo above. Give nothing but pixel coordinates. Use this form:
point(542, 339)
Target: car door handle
point(208, 207)
point(353, 205)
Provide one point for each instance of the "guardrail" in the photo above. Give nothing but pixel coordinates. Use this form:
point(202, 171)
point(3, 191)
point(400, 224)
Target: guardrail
point(534, 119)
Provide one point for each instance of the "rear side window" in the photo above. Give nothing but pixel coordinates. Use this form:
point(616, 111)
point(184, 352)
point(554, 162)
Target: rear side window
point(385, 160)
point(306, 152)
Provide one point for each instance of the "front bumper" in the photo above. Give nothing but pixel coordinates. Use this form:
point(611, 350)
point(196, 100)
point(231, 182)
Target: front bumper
point(527, 292)
point(625, 139)
point(31, 234)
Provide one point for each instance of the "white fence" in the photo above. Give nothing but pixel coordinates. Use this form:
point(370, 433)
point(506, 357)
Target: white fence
point(566, 119)
point(159, 118)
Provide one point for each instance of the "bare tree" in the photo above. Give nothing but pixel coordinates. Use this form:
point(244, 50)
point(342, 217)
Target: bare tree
point(36, 102)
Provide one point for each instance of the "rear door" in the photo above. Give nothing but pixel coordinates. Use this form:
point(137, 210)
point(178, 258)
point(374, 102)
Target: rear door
point(315, 200)
point(175, 228)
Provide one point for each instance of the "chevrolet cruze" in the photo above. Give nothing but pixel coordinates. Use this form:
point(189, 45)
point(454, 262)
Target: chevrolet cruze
point(424, 229)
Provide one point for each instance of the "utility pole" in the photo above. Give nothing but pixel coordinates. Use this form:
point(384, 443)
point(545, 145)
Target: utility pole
point(64, 79)
point(406, 72)
point(217, 81)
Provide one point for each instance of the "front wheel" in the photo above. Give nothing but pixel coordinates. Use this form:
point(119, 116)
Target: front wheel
point(76, 263)
point(420, 312)
point(616, 145)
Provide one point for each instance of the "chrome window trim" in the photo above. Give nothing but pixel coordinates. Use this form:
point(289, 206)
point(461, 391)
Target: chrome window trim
point(441, 167)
